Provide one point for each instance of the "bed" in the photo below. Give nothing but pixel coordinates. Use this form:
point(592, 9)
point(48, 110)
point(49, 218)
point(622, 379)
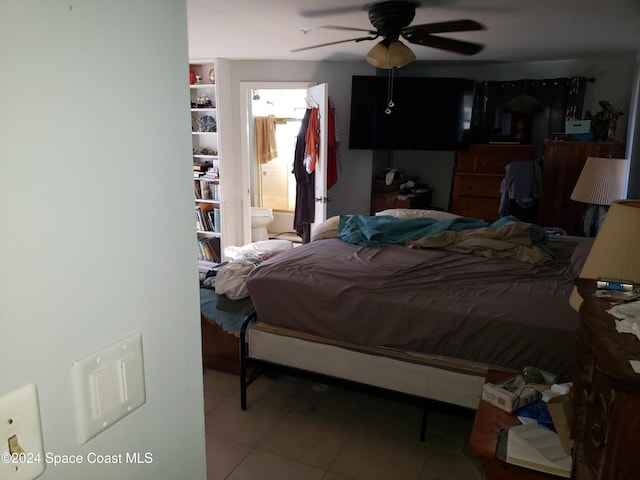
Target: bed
point(425, 323)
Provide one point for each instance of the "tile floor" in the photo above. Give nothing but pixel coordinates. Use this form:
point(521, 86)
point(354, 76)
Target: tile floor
point(299, 430)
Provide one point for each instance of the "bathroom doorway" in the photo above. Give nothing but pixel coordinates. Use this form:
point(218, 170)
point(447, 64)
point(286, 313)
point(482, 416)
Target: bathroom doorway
point(272, 184)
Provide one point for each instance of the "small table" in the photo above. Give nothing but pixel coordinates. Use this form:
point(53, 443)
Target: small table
point(490, 420)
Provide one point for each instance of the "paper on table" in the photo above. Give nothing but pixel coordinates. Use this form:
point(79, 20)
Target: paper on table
point(626, 310)
point(536, 447)
point(628, 315)
point(543, 440)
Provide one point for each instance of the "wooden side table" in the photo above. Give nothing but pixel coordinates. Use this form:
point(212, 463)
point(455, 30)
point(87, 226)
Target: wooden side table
point(490, 420)
point(385, 200)
point(220, 349)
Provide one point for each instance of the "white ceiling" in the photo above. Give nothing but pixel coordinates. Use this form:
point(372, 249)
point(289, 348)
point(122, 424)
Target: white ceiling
point(516, 30)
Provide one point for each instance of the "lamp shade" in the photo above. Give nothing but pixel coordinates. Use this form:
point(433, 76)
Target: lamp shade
point(523, 104)
point(615, 253)
point(390, 54)
point(601, 181)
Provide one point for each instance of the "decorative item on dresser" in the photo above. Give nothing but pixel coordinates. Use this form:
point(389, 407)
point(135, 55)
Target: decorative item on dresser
point(479, 171)
point(562, 163)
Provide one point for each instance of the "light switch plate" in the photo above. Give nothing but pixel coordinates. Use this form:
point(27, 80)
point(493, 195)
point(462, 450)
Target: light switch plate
point(108, 385)
point(20, 417)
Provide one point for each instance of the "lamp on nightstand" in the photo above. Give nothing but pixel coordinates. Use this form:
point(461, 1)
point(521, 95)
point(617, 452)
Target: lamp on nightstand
point(615, 253)
point(601, 181)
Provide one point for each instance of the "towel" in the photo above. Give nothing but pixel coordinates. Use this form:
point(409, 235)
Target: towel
point(266, 138)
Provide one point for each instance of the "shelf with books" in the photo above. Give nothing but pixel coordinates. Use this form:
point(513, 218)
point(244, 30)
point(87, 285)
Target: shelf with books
point(206, 190)
point(208, 219)
point(206, 181)
point(209, 250)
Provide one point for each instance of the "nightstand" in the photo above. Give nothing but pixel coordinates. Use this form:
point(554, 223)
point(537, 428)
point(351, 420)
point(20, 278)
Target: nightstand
point(606, 401)
point(490, 420)
point(386, 200)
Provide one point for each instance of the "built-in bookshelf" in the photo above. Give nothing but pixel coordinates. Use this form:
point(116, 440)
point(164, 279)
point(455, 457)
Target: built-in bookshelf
point(206, 162)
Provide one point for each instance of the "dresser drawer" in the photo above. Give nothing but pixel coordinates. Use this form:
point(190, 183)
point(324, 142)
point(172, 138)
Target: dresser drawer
point(492, 158)
point(469, 185)
point(384, 201)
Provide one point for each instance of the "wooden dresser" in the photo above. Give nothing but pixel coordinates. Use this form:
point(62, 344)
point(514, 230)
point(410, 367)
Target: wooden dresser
point(562, 163)
point(606, 402)
point(478, 174)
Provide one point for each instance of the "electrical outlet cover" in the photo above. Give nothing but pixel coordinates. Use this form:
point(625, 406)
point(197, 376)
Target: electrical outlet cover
point(108, 385)
point(20, 416)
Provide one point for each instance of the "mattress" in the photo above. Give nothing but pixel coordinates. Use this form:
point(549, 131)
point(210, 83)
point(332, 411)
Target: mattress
point(444, 380)
point(498, 312)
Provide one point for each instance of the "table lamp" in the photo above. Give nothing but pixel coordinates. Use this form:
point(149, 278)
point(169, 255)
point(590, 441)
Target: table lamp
point(601, 181)
point(615, 253)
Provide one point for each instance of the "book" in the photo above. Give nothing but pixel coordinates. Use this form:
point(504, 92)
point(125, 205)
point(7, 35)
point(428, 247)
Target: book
point(536, 447)
point(217, 220)
point(199, 219)
point(211, 223)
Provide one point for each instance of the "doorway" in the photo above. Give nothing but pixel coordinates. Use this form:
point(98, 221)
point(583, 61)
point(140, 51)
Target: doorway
point(271, 183)
point(274, 185)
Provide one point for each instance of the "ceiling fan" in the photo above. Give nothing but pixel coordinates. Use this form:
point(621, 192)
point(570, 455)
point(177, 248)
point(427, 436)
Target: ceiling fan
point(392, 20)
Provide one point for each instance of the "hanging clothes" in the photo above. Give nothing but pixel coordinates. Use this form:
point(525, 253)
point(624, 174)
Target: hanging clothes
point(520, 190)
point(312, 139)
point(312, 148)
point(266, 146)
point(332, 147)
point(304, 212)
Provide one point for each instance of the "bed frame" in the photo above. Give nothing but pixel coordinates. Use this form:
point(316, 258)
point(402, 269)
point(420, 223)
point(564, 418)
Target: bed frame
point(379, 378)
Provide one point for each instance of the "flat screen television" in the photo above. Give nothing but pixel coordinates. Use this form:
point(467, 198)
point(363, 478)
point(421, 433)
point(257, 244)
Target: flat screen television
point(428, 113)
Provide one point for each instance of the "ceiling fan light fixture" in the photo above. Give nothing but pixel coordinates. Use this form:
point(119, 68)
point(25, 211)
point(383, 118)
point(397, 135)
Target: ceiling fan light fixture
point(399, 54)
point(377, 56)
point(390, 54)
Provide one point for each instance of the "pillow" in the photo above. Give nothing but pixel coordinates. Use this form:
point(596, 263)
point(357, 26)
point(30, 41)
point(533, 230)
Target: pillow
point(326, 229)
point(417, 213)
point(578, 257)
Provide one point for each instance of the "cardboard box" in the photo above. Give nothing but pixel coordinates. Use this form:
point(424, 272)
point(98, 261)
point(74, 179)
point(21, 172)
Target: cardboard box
point(561, 415)
point(577, 126)
point(511, 394)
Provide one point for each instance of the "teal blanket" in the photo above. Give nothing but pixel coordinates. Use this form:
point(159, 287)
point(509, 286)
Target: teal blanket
point(375, 231)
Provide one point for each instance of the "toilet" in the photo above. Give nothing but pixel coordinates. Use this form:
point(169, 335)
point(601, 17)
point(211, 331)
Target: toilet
point(260, 218)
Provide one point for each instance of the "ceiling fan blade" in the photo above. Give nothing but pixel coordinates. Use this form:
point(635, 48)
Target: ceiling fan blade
point(359, 39)
point(350, 29)
point(325, 12)
point(442, 27)
point(449, 44)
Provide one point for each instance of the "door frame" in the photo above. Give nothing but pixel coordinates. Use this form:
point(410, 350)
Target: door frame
point(245, 89)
